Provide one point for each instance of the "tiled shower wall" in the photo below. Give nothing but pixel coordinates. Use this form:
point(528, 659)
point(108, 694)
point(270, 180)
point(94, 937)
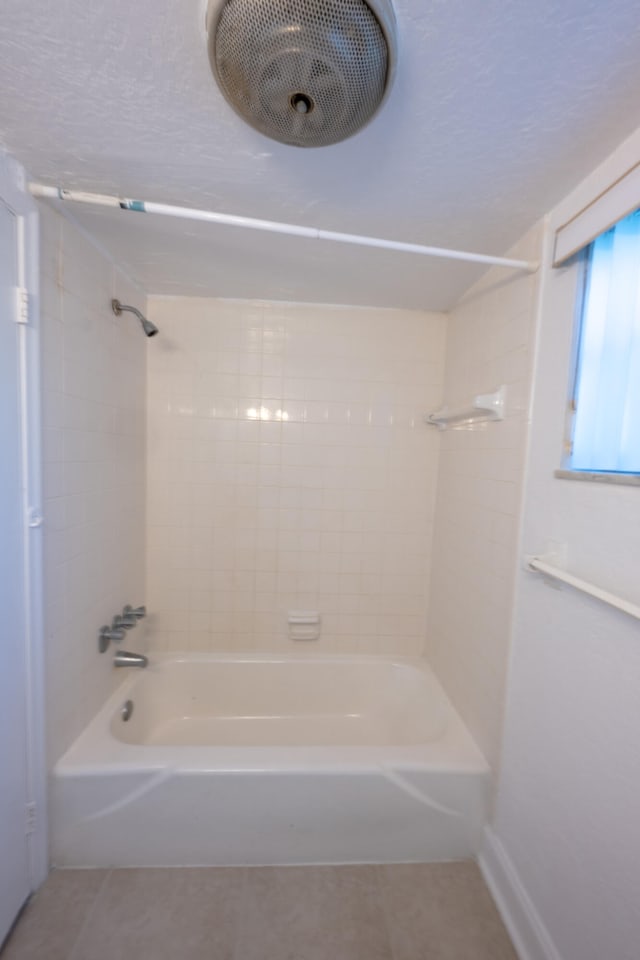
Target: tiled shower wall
point(490, 341)
point(290, 469)
point(93, 398)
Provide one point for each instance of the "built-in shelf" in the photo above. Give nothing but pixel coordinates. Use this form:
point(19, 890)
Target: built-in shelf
point(484, 406)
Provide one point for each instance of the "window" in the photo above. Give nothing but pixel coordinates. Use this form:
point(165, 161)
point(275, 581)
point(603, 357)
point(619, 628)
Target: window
point(606, 396)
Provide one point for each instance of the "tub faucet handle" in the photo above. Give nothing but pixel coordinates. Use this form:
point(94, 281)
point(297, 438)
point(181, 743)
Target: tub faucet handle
point(109, 635)
point(126, 622)
point(137, 612)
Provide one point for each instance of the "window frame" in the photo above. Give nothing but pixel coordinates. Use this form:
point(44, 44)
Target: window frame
point(581, 260)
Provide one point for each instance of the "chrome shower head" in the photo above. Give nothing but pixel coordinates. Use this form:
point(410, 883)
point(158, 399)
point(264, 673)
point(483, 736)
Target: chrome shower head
point(149, 328)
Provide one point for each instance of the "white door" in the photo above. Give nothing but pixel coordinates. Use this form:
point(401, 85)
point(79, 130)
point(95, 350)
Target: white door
point(15, 883)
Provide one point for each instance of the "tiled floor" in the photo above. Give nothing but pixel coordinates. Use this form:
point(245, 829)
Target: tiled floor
point(402, 912)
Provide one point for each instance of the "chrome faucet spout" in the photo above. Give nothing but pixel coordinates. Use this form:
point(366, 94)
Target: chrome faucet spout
point(122, 658)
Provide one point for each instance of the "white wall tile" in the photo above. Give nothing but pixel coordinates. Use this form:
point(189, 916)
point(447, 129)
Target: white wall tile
point(490, 338)
point(289, 467)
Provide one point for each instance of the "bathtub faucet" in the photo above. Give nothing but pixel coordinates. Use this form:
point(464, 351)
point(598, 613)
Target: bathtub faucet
point(123, 658)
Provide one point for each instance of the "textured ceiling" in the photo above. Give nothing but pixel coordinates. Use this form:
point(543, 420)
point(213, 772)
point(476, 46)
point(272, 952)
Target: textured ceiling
point(497, 109)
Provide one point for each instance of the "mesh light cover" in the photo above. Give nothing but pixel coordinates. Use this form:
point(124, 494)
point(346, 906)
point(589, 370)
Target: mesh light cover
point(304, 72)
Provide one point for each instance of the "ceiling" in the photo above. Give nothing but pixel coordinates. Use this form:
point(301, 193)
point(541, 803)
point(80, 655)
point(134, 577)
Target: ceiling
point(498, 108)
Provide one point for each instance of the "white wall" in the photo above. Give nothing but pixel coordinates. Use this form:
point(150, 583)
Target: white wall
point(567, 812)
point(326, 503)
point(490, 337)
point(93, 389)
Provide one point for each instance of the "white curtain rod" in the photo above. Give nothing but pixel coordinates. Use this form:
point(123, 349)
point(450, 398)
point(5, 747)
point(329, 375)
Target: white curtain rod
point(271, 226)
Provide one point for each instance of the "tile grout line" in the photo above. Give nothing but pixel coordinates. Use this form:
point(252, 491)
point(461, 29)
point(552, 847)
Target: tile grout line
point(89, 914)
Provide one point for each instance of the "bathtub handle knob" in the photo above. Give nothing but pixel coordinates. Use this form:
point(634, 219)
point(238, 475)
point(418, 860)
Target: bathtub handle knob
point(109, 635)
point(124, 623)
point(137, 612)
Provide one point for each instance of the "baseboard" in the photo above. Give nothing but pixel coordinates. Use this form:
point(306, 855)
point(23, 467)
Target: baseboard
point(530, 937)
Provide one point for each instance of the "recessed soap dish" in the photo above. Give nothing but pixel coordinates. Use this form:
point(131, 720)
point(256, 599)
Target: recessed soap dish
point(304, 624)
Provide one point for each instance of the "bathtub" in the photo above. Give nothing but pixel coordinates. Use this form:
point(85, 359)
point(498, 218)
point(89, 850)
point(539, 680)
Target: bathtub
point(229, 760)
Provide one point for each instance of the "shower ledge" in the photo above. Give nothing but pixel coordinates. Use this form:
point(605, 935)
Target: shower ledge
point(484, 406)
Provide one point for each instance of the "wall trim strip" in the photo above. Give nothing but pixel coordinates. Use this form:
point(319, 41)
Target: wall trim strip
point(531, 938)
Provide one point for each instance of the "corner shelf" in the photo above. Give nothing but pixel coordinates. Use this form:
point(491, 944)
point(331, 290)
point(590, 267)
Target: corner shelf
point(484, 406)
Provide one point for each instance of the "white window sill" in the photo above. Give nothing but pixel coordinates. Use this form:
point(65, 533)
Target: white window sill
point(622, 479)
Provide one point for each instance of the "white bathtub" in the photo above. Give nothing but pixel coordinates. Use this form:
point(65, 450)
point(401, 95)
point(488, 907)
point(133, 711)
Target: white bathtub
point(270, 759)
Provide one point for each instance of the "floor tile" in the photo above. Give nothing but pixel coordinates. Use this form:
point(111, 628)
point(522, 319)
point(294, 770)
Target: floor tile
point(164, 914)
point(442, 911)
point(312, 913)
point(400, 912)
point(53, 919)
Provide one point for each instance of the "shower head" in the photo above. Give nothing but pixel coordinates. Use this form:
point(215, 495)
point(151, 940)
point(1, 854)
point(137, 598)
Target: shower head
point(149, 328)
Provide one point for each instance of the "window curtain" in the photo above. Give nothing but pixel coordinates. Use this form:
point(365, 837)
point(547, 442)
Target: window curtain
point(606, 433)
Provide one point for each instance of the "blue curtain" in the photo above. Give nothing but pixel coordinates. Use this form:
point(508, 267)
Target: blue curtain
point(607, 420)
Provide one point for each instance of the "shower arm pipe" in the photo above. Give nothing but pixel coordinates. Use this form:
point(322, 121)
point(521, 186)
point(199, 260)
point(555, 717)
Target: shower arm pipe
point(272, 226)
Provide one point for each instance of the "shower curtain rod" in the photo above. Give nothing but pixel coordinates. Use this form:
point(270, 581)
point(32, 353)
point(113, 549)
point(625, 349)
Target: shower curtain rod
point(271, 226)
